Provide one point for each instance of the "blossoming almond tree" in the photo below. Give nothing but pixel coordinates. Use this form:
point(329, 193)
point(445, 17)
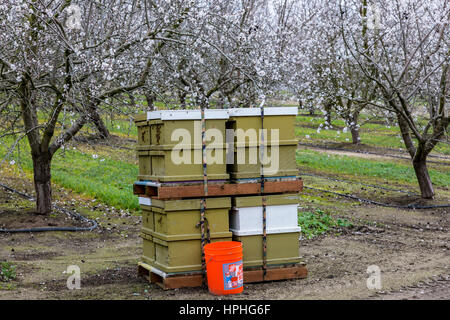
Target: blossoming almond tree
point(219, 53)
point(410, 67)
point(59, 61)
point(324, 68)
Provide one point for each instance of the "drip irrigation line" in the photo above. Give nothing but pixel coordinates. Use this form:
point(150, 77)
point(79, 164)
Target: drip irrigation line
point(74, 214)
point(374, 153)
point(410, 206)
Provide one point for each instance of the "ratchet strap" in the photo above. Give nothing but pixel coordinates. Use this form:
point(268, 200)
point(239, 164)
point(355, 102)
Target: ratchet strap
point(205, 234)
point(264, 200)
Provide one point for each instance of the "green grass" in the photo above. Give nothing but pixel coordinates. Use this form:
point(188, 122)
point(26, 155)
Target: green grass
point(7, 271)
point(316, 121)
point(336, 122)
point(309, 135)
point(122, 128)
point(359, 167)
point(110, 181)
point(318, 222)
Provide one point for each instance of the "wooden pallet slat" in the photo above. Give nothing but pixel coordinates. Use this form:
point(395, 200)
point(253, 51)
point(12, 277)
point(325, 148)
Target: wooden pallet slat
point(215, 190)
point(274, 274)
point(297, 271)
point(170, 282)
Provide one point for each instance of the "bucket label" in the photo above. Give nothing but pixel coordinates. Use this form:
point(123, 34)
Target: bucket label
point(233, 275)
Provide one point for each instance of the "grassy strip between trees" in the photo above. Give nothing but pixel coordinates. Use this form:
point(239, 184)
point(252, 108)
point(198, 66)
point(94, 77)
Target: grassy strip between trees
point(110, 181)
point(386, 170)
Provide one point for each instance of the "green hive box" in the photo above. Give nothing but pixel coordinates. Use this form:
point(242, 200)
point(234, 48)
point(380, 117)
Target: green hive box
point(148, 220)
point(148, 248)
point(159, 158)
point(174, 256)
point(282, 249)
point(171, 220)
point(247, 154)
point(271, 200)
point(171, 231)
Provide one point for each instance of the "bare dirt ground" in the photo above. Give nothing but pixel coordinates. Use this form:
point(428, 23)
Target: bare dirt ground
point(411, 248)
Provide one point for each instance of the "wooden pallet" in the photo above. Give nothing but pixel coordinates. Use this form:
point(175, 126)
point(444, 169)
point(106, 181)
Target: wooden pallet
point(165, 192)
point(295, 271)
point(167, 282)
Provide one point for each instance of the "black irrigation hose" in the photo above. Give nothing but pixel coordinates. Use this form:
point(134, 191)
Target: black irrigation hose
point(74, 214)
point(373, 153)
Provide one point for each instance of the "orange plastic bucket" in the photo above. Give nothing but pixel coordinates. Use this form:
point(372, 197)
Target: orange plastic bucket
point(224, 267)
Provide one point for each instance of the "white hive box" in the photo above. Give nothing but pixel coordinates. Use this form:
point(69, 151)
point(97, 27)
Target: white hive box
point(281, 215)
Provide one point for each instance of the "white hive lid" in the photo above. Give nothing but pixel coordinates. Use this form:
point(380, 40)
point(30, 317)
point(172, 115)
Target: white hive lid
point(187, 114)
point(269, 111)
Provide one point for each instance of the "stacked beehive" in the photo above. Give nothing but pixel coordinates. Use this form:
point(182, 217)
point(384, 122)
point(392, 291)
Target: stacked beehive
point(247, 201)
point(276, 242)
point(171, 232)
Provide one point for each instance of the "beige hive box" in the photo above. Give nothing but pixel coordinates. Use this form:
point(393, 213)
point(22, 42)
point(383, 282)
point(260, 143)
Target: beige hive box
point(281, 119)
point(171, 231)
point(156, 148)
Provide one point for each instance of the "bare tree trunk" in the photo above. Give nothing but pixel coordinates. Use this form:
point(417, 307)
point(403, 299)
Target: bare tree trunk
point(203, 102)
point(150, 101)
point(423, 177)
point(42, 184)
point(354, 129)
point(355, 135)
point(327, 108)
point(221, 100)
point(419, 160)
point(230, 100)
point(100, 125)
point(182, 99)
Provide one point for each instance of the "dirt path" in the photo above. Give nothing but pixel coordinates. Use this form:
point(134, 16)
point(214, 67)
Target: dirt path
point(411, 248)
